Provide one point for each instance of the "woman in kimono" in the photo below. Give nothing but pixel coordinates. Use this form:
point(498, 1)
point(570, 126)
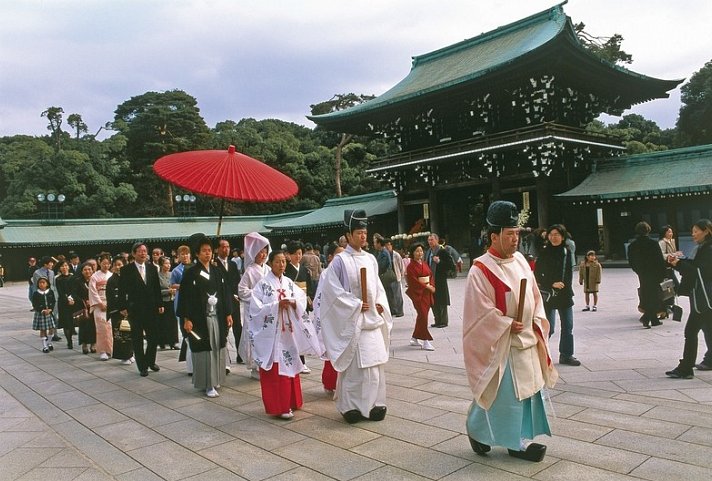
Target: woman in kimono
point(205, 305)
point(122, 348)
point(64, 310)
point(80, 293)
point(97, 306)
point(421, 286)
point(168, 328)
point(257, 249)
point(280, 331)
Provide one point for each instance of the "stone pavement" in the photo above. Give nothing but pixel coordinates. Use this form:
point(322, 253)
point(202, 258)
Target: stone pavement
point(68, 416)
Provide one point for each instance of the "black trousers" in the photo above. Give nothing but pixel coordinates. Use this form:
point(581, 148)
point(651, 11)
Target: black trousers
point(440, 314)
point(237, 330)
point(144, 357)
point(695, 324)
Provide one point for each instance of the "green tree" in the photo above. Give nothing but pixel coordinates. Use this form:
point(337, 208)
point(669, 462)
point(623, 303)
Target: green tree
point(75, 121)
point(54, 116)
point(607, 48)
point(336, 103)
point(694, 124)
point(90, 180)
point(638, 134)
point(156, 124)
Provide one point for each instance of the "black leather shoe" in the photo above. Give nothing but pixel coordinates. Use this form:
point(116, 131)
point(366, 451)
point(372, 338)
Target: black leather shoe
point(154, 367)
point(570, 361)
point(56, 338)
point(535, 452)
point(378, 413)
point(678, 373)
point(143, 372)
point(479, 448)
point(353, 416)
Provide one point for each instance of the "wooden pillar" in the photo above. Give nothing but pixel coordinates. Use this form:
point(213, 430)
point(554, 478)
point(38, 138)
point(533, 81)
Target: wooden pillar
point(542, 201)
point(496, 192)
point(434, 211)
point(401, 214)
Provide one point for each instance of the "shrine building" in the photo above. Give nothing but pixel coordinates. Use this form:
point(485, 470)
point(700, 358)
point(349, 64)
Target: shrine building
point(498, 116)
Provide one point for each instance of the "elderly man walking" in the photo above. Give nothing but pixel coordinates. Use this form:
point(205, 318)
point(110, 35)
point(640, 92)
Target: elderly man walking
point(440, 262)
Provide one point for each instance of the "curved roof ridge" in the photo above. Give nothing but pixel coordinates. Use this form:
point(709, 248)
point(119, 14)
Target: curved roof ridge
point(555, 13)
point(659, 155)
point(361, 197)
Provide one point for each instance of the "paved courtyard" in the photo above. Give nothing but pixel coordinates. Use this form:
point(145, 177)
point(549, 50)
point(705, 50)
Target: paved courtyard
point(66, 416)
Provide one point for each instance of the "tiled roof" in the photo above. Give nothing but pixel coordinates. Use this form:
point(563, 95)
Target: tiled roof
point(18, 233)
point(332, 213)
point(657, 174)
point(474, 59)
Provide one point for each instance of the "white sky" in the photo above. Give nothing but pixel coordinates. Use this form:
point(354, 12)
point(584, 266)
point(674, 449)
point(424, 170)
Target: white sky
point(273, 58)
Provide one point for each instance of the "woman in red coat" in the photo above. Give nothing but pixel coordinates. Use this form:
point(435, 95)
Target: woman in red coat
point(420, 290)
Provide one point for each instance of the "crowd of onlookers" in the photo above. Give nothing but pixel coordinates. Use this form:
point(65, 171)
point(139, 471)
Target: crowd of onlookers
point(61, 288)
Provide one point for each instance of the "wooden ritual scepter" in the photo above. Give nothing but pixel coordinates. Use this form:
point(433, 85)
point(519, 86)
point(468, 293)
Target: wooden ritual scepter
point(522, 295)
point(364, 292)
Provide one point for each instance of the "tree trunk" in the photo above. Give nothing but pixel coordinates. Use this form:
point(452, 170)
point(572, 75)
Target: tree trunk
point(345, 139)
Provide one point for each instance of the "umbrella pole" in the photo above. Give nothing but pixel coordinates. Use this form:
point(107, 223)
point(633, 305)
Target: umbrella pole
point(222, 206)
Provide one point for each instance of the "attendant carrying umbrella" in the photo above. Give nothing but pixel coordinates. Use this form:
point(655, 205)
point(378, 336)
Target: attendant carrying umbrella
point(226, 175)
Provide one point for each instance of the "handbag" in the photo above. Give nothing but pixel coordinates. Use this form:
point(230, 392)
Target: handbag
point(546, 294)
point(667, 290)
point(81, 315)
point(388, 277)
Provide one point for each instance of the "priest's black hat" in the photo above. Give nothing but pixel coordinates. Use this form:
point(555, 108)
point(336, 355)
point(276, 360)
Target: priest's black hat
point(355, 219)
point(502, 213)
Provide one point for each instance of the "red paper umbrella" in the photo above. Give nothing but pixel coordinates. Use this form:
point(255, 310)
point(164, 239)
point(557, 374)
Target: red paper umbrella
point(226, 175)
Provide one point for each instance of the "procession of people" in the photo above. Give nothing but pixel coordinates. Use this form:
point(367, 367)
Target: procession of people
point(127, 306)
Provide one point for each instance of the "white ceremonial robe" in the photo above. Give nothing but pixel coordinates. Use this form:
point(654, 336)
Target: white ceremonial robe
point(316, 312)
point(280, 336)
point(488, 343)
point(356, 342)
point(253, 274)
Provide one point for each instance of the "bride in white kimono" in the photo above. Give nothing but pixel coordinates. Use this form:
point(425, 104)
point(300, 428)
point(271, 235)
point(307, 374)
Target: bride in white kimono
point(257, 249)
point(279, 331)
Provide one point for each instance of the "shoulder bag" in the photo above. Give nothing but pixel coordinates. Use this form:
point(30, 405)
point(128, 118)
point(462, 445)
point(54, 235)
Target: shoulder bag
point(388, 277)
point(667, 290)
point(81, 315)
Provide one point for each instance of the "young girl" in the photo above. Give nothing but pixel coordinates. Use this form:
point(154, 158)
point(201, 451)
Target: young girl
point(43, 302)
point(590, 278)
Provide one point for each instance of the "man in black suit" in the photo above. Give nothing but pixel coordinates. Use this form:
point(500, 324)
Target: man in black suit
point(140, 299)
point(231, 273)
point(74, 263)
point(440, 262)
